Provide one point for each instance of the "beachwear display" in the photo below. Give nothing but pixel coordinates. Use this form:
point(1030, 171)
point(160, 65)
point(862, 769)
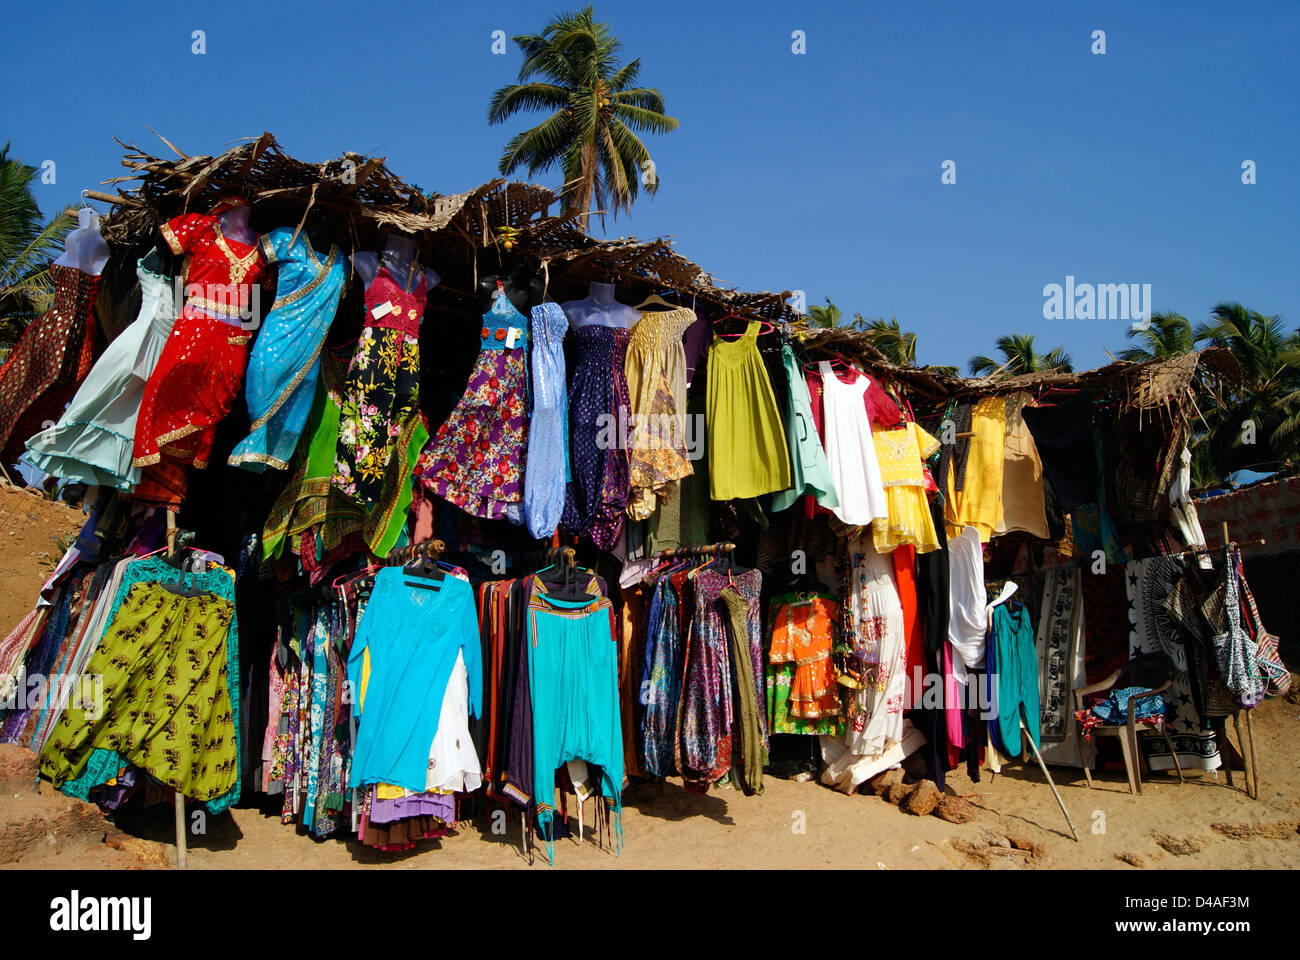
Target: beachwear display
point(476, 458)
point(50, 358)
point(199, 374)
point(92, 442)
point(596, 499)
point(656, 380)
point(546, 472)
point(744, 427)
point(285, 359)
point(382, 389)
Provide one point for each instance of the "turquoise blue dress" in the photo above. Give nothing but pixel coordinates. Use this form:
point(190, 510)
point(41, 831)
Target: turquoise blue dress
point(285, 360)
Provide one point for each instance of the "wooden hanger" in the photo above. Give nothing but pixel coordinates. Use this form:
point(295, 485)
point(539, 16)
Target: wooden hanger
point(764, 327)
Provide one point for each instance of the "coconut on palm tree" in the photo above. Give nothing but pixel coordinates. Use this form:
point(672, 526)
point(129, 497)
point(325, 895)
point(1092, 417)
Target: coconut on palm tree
point(1020, 356)
point(27, 245)
point(596, 109)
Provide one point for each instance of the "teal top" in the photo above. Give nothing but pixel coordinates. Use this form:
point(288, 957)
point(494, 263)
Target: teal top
point(412, 635)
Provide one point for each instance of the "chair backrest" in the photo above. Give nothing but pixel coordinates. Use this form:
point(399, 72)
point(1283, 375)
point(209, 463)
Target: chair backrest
point(1150, 670)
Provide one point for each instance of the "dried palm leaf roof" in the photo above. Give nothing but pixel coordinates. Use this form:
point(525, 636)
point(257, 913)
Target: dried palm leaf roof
point(356, 198)
point(1169, 384)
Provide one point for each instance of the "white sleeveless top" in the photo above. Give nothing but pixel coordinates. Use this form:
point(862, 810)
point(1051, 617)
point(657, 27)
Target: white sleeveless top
point(850, 452)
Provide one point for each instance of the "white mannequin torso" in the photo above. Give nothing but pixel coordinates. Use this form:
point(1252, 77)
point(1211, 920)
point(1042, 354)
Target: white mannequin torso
point(84, 248)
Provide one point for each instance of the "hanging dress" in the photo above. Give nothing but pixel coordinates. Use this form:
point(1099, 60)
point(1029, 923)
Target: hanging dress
point(976, 498)
point(747, 449)
point(656, 381)
point(547, 469)
point(901, 454)
point(597, 495)
point(809, 472)
point(382, 387)
point(201, 369)
point(92, 441)
point(850, 450)
point(802, 691)
point(476, 458)
point(875, 712)
point(51, 357)
point(285, 360)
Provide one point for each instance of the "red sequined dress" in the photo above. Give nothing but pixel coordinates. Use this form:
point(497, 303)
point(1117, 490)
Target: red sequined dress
point(201, 370)
point(51, 358)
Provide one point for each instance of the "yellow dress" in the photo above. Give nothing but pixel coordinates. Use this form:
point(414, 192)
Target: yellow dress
point(656, 382)
point(979, 503)
point(1023, 505)
point(901, 453)
point(748, 456)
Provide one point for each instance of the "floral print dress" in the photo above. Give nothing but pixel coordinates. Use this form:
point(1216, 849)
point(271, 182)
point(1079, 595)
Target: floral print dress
point(476, 458)
point(382, 388)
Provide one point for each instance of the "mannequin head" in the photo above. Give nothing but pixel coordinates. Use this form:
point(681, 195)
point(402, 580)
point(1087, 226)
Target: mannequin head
point(523, 288)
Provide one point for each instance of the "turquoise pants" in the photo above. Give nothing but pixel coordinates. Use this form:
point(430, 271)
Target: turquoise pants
point(573, 680)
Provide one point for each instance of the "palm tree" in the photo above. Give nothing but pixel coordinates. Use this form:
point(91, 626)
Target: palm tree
point(1256, 426)
point(827, 316)
point(888, 336)
point(1019, 356)
point(27, 244)
point(596, 111)
point(1167, 335)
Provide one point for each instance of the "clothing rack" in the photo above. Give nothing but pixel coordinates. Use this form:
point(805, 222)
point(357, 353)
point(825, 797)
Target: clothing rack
point(700, 550)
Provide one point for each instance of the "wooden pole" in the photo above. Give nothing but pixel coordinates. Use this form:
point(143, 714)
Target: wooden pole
point(1024, 732)
point(1250, 775)
point(178, 798)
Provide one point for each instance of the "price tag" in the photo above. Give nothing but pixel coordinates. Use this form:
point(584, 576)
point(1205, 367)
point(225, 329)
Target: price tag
point(382, 310)
point(512, 337)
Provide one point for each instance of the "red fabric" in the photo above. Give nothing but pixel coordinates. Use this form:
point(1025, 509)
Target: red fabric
point(51, 358)
point(192, 388)
point(163, 484)
point(408, 307)
point(904, 557)
point(219, 270)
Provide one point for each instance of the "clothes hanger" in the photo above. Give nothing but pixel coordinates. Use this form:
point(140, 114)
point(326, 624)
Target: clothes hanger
point(424, 569)
point(764, 326)
point(655, 300)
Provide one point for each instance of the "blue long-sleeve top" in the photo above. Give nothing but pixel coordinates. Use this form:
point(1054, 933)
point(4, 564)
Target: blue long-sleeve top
point(412, 636)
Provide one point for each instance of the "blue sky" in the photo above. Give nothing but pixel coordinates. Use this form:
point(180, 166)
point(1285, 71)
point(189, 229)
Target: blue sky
point(819, 172)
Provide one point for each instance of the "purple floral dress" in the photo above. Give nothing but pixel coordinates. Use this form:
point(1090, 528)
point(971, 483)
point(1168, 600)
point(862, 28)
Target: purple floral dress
point(475, 460)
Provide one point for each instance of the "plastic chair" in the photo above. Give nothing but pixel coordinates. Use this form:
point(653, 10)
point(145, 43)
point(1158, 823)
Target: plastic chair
point(1154, 672)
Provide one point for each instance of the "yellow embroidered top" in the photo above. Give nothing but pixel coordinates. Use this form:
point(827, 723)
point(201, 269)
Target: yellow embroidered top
point(901, 454)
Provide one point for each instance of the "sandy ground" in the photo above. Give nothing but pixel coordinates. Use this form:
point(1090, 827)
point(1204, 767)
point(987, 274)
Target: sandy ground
point(29, 526)
point(806, 825)
point(791, 825)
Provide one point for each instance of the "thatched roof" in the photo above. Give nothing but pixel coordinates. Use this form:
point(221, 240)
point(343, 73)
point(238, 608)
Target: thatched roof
point(354, 200)
point(1174, 389)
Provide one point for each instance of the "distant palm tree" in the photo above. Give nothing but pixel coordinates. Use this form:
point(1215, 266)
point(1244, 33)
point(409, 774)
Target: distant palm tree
point(1257, 426)
point(1019, 356)
point(1167, 335)
point(827, 316)
point(594, 106)
point(27, 245)
point(888, 336)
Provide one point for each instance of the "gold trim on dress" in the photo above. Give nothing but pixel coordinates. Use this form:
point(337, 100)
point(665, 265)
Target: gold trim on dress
point(239, 266)
point(292, 298)
point(288, 390)
point(173, 242)
point(266, 458)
